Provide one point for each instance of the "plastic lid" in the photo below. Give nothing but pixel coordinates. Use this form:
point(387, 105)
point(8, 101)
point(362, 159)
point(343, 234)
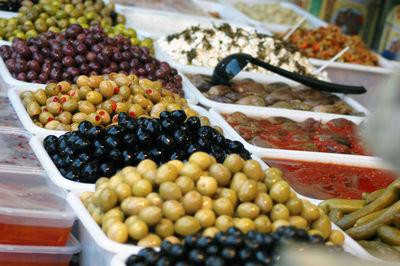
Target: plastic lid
point(31, 195)
point(73, 246)
point(16, 152)
point(8, 117)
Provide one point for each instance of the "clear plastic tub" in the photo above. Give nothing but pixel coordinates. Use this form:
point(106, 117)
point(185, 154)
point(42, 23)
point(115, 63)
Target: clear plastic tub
point(15, 151)
point(32, 211)
point(21, 255)
point(54, 174)
point(8, 117)
point(262, 78)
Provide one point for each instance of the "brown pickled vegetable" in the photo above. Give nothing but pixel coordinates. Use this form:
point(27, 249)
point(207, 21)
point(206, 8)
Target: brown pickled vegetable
point(195, 197)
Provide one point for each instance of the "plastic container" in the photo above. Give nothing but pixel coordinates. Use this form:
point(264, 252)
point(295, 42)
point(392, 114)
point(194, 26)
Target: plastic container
point(273, 27)
point(263, 78)
point(98, 249)
point(15, 151)
point(368, 161)
point(18, 255)
point(156, 23)
point(54, 174)
point(33, 212)
point(8, 117)
point(14, 96)
point(7, 14)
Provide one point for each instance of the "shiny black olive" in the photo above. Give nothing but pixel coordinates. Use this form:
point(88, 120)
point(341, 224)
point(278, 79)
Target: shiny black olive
point(165, 115)
point(145, 252)
point(95, 133)
point(128, 158)
point(89, 171)
point(71, 176)
point(234, 231)
point(204, 131)
point(245, 254)
point(181, 137)
point(268, 240)
point(193, 148)
point(212, 250)
point(182, 263)
point(164, 261)
point(98, 144)
point(263, 257)
point(55, 156)
point(144, 139)
point(115, 155)
point(63, 171)
point(76, 165)
point(152, 258)
point(48, 140)
point(132, 259)
point(115, 131)
point(129, 139)
point(183, 127)
point(179, 155)
point(141, 155)
point(203, 242)
point(214, 261)
point(123, 118)
point(157, 154)
point(130, 125)
point(153, 127)
point(234, 240)
point(228, 253)
point(193, 123)
point(84, 126)
point(316, 239)
point(142, 121)
point(253, 244)
point(220, 140)
point(67, 151)
point(197, 256)
point(176, 250)
point(106, 169)
point(204, 144)
point(72, 138)
point(168, 125)
point(245, 154)
point(254, 263)
point(178, 116)
point(166, 142)
point(100, 152)
point(59, 162)
point(111, 142)
point(301, 234)
point(84, 157)
point(51, 148)
point(82, 144)
point(235, 146)
point(67, 160)
point(190, 241)
point(62, 145)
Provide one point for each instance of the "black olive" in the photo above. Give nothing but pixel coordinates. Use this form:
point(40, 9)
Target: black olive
point(268, 240)
point(228, 253)
point(164, 261)
point(115, 131)
point(190, 241)
point(179, 155)
point(59, 162)
point(89, 171)
point(111, 142)
point(132, 259)
point(55, 156)
point(151, 258)
point(182, 263)
point(63, 171)
point(49, 140)
point(76, 165)
point(141, 155)
point(67, 151)
point(203, 242)
point(100, 152)
point(153, 127)
point(67, 160)
point(221, 140)
point(62, 145)
point(193, 148)
point(178, 116)
point(263, 257)
point(165, 246)
point(176, 250)
point(145, 252)
point(181, 137)
point(168, 125)
point(254, 263)
point(212, 250)
point(115, 155)
point(215, 261)
point(301, 234)
point(234, 231)
point(128, 158)
point(84, 157)
point(234, 240)
point(142, 121)
point(157, 154)
point(252, 233)
point(94, 133)
point(98, 144)
point(51, 148)
point(204, 131)
point(106, 169)
point(235, 146)
point(165, 115)
point(193, 123)
point(81, 144)
point(72, 138)
point(245, 154)
point(71, 176)
point(204, 144)
point(129, 139)
point(253, 244)
point(221, 238)
point(245, 254)
point(144, 139)
point(316, 239)
point(197, 256)
point(123, 118)
point(84, 126)
point(219, 156)
point(130, 125)
point(168, 143)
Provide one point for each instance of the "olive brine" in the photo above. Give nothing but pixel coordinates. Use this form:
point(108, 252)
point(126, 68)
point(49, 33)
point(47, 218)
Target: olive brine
point(94, 151)
point(231, 247)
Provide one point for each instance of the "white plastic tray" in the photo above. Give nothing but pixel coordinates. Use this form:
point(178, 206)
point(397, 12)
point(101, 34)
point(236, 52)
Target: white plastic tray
point(263, 78)
point(98, 249)
point(273, 27)
point(54, 174)
point(361, 160)
point(157, 23)
point(7, 14)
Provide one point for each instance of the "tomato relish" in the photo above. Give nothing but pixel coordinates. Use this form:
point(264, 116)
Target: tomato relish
point(325, 180)
point(336, 136)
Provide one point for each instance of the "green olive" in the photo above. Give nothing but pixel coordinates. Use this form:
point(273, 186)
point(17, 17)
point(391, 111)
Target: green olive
point(94, 118)
point(309, 212)
point(118, 232)
point(55, 108)
point(173, 210)
point(202, 159)
point(151, 215)
point(223, 206)
point(151, 176)
point(108, 199)
point(280, 191)
point(229, 194)
point(192, 201)
point(263, 224)
point(130, 220)
point(237, 180)
point(336, 237)
point(192, 170)
point(205, 217)
point(79, 117)
point(323, 224)
point(172, 240)
point(279, 212)
point(294, 205)
point(248, 210)
point(187, 225)
point(121, 107)
point(94, 97)
point(298, 222)
point(248, 190)
point(155, 199)
point(221, 173)
point(27, 100)
point(207, 203)
point(33, 109)
point(170, 191)
point(142, 188)
point(52, 89)
point(145, 166)
point(138, 229)
point(45, 117)
point(65, 117)
point(253, 170)
point(70, 105)
point(223, 222)
point(52, 125)
point(149, 241)
point(185, 183)
point(40, 96)
point(63, 127)
point(207, 186)
point(164, 228)
point(272, 175)
point(166, 172)
point(29, 94)
point(279, 223)
point(123, 191)
point(106, 88)
point(105, 116)
point(245, 225)
point(86, 107)
point(132, 205)
point(210, 232)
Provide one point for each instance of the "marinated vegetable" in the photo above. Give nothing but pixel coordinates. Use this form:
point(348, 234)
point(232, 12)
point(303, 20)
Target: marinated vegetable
point(276, 94)
point(207, 208)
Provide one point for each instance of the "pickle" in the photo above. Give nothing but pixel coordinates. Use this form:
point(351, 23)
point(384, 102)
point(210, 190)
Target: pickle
point(389, 235)
point(344, 205)
point(373, 196)
point(335, 215)
point(380, 250)
point(369, 229)
point(388, 197)
point(369, 217)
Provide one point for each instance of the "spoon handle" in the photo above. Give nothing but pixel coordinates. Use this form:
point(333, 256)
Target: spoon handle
point(311, 82)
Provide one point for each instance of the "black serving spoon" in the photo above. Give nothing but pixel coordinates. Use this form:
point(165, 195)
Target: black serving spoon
point(231, 65)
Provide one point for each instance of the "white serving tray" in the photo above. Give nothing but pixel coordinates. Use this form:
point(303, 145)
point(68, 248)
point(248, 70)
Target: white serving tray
point(273, 27)
point(8, 14)
point(360, 160)
point(157, 23)
point(262, 78)
point(54, 174)
point(98, 249)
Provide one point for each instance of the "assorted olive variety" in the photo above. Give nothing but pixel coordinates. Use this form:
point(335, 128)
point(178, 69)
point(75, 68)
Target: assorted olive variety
point(230, 248)
point(52, 57)
point(98, 99)
point(146, 204)
point(374, 221)
point(93, 151)
point(56, 16)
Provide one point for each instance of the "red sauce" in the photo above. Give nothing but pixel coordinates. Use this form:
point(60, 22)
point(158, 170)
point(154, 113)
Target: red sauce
point(336, 136)
point(17, 234)
point(325, 181)
point(34, 259)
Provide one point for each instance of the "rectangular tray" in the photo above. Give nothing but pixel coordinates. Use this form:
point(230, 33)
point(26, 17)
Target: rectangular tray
point(36, 142)
point(370, 161)
point(263, 78)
